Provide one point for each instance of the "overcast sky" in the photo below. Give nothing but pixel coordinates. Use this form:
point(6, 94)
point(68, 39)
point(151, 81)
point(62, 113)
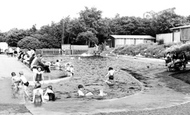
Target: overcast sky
point(22, 14)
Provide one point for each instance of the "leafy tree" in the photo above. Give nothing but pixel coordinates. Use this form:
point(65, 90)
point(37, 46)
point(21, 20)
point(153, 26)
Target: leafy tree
point(29, 42)
point(87, 37)
point(2, 37)
point(93, 22)
point(15, 35)
point(166, 19)
point(50, 35)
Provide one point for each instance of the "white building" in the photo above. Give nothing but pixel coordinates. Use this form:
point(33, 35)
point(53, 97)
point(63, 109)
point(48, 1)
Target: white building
point(178, 34)
point(121, 40)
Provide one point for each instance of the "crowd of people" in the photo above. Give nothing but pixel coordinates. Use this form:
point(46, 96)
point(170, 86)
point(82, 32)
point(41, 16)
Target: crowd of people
point(176, 59)
point(39, 66)
point(38, 95)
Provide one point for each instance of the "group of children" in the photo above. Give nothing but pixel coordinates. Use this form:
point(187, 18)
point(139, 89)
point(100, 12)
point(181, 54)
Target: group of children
point(20, 82)
point(38, 93)
point(109, 80)
point(69, 68)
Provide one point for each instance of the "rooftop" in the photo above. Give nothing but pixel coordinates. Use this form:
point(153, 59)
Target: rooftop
point(180, 27)
point(133, 36)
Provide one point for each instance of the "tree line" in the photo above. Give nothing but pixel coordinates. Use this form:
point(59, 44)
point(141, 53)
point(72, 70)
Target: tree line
point(90, 28)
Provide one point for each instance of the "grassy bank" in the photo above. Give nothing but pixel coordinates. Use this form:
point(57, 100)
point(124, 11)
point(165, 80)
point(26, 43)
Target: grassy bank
point(146, 50)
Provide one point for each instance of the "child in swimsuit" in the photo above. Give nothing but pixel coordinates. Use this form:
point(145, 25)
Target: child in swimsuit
point(38, 94)
point(110, 76)
point(39, 75)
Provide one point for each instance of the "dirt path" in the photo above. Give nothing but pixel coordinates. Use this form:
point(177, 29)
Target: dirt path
point(155, 96)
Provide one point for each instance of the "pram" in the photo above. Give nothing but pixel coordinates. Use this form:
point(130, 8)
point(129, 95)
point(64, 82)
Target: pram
point(176, 65)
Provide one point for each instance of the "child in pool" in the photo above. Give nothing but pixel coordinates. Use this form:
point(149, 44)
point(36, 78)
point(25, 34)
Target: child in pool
point(81, 91)
point(49, 94)
point(69, 70)
point(15, 79)
point(15, 83)
point(110, 76)
point(38, 94)
point(39, 75)
point(57, 65)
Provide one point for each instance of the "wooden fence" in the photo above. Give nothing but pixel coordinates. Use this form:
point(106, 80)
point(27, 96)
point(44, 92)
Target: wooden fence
point(60, 52)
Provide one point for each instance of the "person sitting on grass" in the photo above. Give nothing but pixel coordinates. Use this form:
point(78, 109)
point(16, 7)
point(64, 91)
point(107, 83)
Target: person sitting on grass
point(110, 76)
point(49, 94)
point(82, 92)
point(37, 94)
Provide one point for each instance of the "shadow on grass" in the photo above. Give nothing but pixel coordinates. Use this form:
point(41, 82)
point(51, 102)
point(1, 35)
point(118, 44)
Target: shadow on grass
point(134, 74)
point(178, 81)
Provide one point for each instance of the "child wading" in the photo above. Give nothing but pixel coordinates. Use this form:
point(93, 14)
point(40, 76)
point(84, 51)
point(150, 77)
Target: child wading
point(39, 75)
point(82, 92)
point(69, 70)
point(15, 83)
point(49, 94)
point(25, 83)
point(110, 76)
point(38, 95)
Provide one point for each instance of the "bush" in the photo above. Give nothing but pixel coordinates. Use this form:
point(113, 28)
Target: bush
point(29, 42)
point(160, 42)
point(146, 50)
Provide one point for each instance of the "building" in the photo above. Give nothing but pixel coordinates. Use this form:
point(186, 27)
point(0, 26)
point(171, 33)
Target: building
point(181, 33)
point(178, 34)
point(3, 47)
point(121, 40)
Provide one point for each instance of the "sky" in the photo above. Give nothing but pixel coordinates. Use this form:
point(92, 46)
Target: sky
point(23, 14)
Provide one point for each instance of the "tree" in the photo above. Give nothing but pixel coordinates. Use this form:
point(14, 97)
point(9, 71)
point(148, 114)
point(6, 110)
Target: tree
point(29, 42)
point(2, 37)
point(166, 19)
point(15, 35)
point(51, 35)
point(93, 22)
point(87, 37)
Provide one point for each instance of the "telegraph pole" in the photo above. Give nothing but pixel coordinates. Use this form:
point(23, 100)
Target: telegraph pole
point(63, 36)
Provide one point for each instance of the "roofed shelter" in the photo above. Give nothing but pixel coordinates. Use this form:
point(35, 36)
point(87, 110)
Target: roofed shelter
point(121, 40)
point(181, 33)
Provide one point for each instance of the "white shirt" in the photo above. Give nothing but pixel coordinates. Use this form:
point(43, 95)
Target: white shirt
point(48, 91)
point(111, 72)
point(23, 78)
point(33, 61)
point(32, 52)
point(80, 93)
point(15, 79)
point(57, 64)
point(71, 69)
point(18, 49)
point(11, 50)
